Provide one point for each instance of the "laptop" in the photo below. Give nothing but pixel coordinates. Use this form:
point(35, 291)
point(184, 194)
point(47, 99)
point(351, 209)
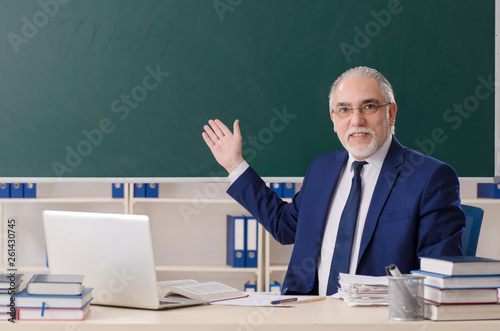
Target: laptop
point(113, 251)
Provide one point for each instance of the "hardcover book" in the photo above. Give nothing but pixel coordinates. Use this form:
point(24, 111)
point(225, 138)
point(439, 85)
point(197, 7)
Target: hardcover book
point(23, 299)
point(460, 296)
point(54, 314)
point(457, 282)
point(55, 284)
point(462, 312)
point(460, 265)
point(6, 280)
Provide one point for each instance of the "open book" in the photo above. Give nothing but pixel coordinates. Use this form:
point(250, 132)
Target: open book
point(207, 291)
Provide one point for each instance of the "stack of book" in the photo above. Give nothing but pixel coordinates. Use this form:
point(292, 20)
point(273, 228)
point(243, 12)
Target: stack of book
point(460, 287)
point(54, 297)
point(9, 286)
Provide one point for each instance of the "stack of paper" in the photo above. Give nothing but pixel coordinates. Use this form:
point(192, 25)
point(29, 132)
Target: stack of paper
point(358, 290)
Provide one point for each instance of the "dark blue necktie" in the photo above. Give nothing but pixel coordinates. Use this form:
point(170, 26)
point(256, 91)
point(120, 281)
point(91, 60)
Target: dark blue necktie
point(345, 235)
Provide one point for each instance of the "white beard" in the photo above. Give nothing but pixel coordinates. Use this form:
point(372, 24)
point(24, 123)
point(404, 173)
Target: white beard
point(362, 151)
point(374, 145)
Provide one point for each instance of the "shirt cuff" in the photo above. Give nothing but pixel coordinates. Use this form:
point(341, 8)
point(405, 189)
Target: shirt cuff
point(236, 173)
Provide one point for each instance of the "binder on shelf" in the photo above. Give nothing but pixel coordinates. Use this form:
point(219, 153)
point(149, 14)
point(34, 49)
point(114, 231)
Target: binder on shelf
point(117, 190)
point(250, 287)
point(288, 190)
point(488, 190)
point(152, 190)
point(16, 190)
point(235, 249)
point(278, 188)
point(251, 242)
point(139, 190)
point(4, 190)
point(29, 190)
point(276, 287)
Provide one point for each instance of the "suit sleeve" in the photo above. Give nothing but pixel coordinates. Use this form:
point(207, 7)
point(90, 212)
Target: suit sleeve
point(275, 215)
point(442, 220)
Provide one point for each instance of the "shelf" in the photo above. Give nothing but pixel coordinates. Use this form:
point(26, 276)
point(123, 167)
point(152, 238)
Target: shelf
point(182, 200)
point(172, 197)
point(63, 200)
point(278, 267)
point(22, 268)
point(188, 200)
point(203, 268)
point(480, 200)
point(170, 267)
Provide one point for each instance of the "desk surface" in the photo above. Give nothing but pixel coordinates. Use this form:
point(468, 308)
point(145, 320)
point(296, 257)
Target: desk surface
point(322, 315)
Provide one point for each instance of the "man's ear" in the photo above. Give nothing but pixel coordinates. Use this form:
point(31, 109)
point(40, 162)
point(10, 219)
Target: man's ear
point(393, 109)
point(333, 121)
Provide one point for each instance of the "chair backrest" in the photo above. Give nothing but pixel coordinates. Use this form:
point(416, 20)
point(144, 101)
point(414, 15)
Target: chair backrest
point(470, 237)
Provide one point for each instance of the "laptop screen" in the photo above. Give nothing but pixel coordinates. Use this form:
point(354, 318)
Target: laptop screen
point(113, 251)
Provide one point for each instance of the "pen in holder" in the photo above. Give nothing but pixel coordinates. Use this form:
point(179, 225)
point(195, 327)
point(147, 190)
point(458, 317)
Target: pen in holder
point(406, 295)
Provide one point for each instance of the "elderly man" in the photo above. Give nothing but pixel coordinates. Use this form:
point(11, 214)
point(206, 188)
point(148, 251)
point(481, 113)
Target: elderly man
point(361, 209)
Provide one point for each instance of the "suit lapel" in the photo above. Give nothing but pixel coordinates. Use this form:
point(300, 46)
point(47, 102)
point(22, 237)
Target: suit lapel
point(388, 175)
point(329, 179)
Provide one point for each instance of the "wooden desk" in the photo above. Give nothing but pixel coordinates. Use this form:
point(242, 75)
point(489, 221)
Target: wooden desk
point(330, 314)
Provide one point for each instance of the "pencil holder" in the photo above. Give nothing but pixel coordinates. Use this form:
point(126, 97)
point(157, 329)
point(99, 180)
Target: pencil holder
point(406, 298)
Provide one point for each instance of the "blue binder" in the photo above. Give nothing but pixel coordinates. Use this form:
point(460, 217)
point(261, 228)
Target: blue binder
point(29, 190)
point(235, 248)
point(152, 190)
point(117, 190)
point(16, 190)
point(139, 190)
point(4, 190)
point(276, 287)
point(252, 240)
point(288, 190)
point(250, 287)
point(278, 188)
point(488, 190)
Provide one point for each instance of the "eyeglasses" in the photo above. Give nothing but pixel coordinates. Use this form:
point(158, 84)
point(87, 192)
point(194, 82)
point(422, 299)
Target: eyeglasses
point(368, 109)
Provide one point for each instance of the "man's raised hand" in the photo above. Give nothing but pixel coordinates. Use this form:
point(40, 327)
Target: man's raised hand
point(224, 144)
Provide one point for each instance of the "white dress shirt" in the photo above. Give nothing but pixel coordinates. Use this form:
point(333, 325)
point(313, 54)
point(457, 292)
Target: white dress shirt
point(369, 177)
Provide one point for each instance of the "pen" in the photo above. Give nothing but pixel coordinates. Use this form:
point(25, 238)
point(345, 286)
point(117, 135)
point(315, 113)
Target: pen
point(305, 300)
point(278, 302)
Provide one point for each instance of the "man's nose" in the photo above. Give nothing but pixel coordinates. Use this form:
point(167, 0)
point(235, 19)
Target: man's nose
point(357, 117)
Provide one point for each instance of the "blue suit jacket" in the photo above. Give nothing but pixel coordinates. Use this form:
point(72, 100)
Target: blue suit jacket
point(415, 211)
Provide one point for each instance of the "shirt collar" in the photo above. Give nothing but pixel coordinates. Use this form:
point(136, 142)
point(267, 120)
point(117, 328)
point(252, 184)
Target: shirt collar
point(377, 159)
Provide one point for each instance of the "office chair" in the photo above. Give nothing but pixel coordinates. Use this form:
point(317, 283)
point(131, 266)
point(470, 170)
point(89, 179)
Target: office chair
point(470, 237)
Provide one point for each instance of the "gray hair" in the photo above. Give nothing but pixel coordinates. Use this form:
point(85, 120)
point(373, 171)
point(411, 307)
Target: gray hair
point(365, 72)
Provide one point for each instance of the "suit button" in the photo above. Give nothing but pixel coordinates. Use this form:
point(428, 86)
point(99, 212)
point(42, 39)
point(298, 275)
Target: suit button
point(310, 284)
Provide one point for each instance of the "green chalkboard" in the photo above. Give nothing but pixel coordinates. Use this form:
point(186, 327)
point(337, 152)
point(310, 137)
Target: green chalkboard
point(122, 88)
